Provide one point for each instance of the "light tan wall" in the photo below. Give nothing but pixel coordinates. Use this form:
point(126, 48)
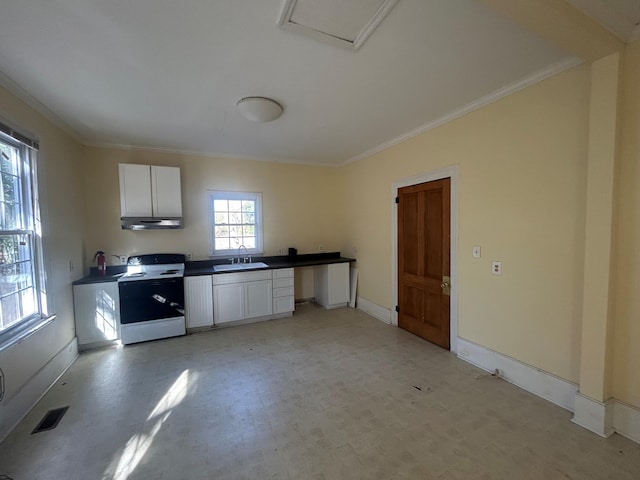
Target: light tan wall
point(626, 285)
point(61, 204)
point(570, 29)
point(301, 207)
point(601, 160)
point(522, 198)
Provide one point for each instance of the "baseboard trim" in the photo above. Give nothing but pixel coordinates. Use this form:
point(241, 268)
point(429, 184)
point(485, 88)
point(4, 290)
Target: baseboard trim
point(373, 309)
point(626, 420)
point(543, 384)
point(20, 404)
point(593, 415)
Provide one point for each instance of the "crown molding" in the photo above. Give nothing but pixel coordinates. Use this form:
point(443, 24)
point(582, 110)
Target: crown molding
point(496, 95)
point(17, 90)
point(200, 153)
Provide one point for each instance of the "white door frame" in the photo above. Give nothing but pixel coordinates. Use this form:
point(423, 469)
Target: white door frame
point(448, 172)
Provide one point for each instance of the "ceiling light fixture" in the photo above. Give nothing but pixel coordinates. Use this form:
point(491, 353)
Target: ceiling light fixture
point(259, 109)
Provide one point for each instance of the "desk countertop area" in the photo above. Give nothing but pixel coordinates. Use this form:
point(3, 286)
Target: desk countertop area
point(205, 267)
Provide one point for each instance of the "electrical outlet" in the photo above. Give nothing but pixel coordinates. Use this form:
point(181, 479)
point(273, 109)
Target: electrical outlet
point(321, 248)
point(72, 267)
point(189, 256)
point(496, 268)
point(123, 259)
point(280, 251)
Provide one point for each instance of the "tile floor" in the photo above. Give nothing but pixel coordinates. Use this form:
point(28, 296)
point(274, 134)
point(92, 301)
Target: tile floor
point(323, 395)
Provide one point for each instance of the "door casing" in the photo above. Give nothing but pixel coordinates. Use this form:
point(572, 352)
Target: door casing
point(448, 172)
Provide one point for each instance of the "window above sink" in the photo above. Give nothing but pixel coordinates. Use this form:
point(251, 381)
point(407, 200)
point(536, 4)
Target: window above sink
point(235, 222)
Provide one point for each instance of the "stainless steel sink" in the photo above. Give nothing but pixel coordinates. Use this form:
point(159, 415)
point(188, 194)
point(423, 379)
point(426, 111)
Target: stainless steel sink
point(232, 267)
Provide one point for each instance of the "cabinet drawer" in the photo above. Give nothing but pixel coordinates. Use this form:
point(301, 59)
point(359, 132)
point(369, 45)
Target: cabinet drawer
point(283, 273)
point(222, 278)
point(282, 292)
point(283, 305)
point(282, 282)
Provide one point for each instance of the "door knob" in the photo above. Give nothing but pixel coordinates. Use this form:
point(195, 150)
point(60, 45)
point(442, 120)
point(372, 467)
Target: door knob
point(444, 285)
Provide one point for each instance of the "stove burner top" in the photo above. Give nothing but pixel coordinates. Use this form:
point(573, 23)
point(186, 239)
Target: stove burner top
point(144, 272)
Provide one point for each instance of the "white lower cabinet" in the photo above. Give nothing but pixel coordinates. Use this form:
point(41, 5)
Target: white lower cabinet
point(242, 296)
point(97, 313)
point(231, 297)
point(198, 301)
point(283, 305)
point(332, 285)
point(228, 301)
point(258, 299)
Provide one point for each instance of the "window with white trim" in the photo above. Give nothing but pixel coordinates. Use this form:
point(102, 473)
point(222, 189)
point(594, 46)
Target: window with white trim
point(22, 297)
point(236, 221)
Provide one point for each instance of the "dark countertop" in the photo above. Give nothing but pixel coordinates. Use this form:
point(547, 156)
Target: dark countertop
point(205, 267)
point(113, 273)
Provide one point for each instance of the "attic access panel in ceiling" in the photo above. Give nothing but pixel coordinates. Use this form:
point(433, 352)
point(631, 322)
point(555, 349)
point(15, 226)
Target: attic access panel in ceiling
point(344, 23)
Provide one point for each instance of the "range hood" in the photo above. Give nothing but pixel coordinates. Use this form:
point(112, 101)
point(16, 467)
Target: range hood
point(151, 223)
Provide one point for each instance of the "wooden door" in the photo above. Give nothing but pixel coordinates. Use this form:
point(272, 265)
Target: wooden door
point(424, 219)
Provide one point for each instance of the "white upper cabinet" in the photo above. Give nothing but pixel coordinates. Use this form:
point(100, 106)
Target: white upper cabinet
point(165, 192)
point(135, 190)
point(149, 191)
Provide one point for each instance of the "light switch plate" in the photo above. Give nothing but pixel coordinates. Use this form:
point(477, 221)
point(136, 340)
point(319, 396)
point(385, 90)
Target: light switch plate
point(476, 252)
point(496, 268)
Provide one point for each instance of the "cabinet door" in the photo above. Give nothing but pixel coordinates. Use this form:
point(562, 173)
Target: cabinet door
point(198, 300)
point(258, 299)
point(338, 283)
point(332, 285)
point(135, 190)
point(228, 303)
point(97, 313)
point(166, 191)
point(283, 305)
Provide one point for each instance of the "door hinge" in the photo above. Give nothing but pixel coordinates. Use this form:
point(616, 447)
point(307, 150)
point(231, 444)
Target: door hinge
point(397, 309)
point(397, 199)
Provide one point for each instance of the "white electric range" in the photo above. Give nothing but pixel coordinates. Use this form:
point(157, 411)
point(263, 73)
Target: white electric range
point(152, 298)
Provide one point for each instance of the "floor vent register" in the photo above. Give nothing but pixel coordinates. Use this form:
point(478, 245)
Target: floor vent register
point(50, 420)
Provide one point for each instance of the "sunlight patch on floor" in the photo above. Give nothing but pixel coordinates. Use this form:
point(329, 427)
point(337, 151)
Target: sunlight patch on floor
point(134, 451)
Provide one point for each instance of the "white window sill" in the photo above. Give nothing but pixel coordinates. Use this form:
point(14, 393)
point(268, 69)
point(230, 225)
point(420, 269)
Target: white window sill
point(18, 333)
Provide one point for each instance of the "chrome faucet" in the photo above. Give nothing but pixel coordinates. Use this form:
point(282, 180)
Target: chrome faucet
point(244, 259)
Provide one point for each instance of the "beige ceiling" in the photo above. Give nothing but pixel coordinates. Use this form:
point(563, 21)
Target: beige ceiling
point(166, 74)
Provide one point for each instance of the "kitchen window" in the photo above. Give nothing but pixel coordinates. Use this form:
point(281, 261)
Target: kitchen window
point(236, 221)
point(22, 298)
